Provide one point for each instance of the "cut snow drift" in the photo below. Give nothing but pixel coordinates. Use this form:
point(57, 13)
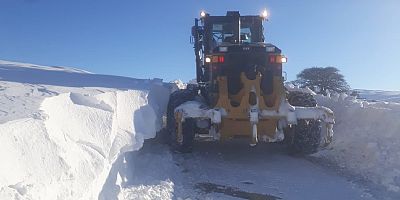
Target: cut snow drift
point(367, 138)
point(68, 155)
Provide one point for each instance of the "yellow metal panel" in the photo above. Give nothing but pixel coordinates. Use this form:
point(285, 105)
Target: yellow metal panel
point(237, 121)
point(231, 128)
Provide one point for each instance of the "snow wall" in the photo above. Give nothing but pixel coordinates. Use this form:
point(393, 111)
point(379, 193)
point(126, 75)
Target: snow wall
point(69, 151)
point(367, 138)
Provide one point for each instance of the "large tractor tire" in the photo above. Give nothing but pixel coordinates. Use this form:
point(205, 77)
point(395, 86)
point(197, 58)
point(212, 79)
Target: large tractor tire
point(305, 137)
point(185, 145)
point(301, 99)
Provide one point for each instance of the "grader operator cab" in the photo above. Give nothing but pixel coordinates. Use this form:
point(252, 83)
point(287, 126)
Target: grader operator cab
point(240, 91)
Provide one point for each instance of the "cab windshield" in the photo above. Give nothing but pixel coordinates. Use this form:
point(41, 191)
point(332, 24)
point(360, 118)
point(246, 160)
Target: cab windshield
point(250, 31)
point(223, 32)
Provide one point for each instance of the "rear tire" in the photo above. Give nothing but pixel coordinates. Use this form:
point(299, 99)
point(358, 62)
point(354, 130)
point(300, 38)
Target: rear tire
point(301, 99)
point(177, 98)
point(305, 137)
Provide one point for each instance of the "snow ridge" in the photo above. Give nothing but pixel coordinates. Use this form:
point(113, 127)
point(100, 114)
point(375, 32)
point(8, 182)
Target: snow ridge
point(5, 63)
point(69, 154)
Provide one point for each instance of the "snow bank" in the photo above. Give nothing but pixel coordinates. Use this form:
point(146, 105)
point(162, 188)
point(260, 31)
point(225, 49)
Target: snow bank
point(68, 153)
point(177, 85)
point(367, 138)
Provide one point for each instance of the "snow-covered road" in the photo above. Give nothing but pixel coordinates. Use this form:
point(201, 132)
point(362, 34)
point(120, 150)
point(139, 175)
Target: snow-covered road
point(234, 170)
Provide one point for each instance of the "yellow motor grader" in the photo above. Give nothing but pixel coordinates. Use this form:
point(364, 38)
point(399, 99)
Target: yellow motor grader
point(240, 91)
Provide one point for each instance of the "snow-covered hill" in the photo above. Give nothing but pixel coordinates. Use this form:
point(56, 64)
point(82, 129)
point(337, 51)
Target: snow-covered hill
point(380, 95)
point(69, 134)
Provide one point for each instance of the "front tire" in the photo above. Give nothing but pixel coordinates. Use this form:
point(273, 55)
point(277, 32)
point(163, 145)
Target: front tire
point(305, 137)
point(184, 144)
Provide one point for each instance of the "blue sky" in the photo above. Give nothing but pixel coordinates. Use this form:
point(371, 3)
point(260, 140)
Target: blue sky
point(147, 39)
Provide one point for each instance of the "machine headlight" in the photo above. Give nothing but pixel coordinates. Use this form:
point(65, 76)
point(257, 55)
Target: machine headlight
point(283, 59)
point(277, 59)
point(208, 59)
point(264, 14)
point(203, 13)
